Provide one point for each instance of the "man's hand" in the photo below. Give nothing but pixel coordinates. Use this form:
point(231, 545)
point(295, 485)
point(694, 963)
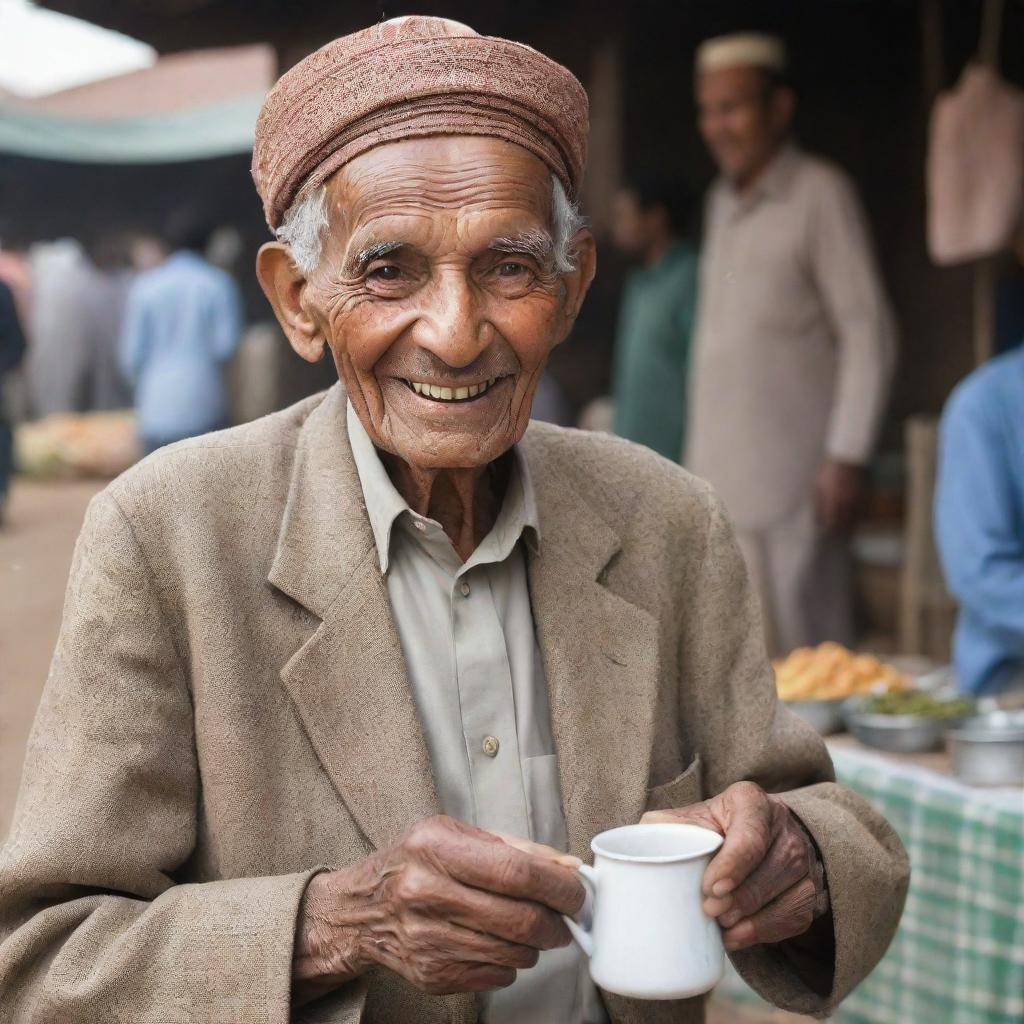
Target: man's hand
point(451, 908)
point(838, 492)
point(766, 883)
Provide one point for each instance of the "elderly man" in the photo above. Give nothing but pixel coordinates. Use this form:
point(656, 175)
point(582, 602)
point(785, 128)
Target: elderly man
point(289, 647)
point(793, 349)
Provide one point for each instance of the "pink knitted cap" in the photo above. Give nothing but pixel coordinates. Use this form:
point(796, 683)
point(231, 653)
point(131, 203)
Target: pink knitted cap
point(407, 78)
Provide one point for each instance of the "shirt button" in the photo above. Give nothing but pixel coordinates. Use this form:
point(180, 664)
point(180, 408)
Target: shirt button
point(419, 526)
point(490, 746)
point(464, 588)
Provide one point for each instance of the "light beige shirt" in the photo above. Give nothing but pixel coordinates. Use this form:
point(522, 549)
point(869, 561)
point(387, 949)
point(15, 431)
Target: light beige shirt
point(470, 647)
point(795, 340)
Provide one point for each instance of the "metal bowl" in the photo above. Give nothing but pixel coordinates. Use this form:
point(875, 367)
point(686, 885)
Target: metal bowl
point(826, 716)
point(988, 750)
point(899, 734)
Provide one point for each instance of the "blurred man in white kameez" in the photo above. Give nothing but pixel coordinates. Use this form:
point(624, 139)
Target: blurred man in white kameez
point(794, 347)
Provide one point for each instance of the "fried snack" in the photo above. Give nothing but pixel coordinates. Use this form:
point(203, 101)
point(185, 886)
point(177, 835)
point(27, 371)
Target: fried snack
point(831, 672)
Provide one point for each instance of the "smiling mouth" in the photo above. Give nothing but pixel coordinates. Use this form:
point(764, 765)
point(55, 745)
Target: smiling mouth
point(466, 393)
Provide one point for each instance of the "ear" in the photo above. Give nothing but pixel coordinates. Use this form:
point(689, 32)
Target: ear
point(284, 284)
point(577, 282)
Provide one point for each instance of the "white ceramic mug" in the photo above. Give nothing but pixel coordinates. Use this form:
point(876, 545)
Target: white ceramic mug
point(649, 937)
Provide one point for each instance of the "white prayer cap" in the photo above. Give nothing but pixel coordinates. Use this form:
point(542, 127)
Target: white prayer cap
point(743, 49)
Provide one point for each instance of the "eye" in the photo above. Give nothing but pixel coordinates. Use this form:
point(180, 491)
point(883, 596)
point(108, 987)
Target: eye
point(387, 272)
point(511, 269)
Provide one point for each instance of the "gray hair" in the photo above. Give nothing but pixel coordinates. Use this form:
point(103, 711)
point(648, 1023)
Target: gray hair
point(303, 224)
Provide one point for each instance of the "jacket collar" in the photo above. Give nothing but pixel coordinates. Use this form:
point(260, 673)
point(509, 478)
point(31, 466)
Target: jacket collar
point(349, 683)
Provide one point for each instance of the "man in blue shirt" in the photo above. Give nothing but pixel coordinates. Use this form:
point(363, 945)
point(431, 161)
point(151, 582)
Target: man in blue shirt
point(182, 324)
point(979, 522)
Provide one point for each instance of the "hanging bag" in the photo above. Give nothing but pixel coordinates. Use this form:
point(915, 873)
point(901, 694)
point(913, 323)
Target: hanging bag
point(975, 163)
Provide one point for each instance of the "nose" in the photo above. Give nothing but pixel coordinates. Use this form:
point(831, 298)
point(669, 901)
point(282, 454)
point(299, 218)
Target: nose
point(451, 323)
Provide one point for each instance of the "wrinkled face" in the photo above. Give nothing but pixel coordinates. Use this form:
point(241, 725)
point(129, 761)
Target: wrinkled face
point(438, 297)
point(740, 119)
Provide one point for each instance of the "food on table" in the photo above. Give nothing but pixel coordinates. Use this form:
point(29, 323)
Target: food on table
point(917, 702)
point(99, 444)
point(831, 672)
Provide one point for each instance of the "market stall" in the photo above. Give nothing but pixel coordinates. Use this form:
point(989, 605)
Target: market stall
point(958, 957)
point(959, 953)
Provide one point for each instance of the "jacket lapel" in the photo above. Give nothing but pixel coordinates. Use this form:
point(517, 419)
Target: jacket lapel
point(348, 681)
point(600, 656)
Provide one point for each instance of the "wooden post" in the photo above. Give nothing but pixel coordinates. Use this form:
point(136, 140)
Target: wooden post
point(604, 162)
point(984, 308)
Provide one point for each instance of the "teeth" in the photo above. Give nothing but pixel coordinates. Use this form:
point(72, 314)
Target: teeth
point(450, 394)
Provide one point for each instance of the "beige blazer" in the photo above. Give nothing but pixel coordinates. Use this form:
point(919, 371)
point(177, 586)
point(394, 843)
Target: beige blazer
point(228, 710)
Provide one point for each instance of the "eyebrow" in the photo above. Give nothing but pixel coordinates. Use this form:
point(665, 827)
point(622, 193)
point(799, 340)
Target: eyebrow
point(535, 243)
point(372, 252)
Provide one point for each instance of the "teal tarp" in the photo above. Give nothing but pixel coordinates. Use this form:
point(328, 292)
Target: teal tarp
point(220, 129)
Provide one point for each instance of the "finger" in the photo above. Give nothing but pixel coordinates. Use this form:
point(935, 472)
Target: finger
point(789, 915)
point(476, 978)
point(455, 942)
point(695, 814)
point(520, 921)
point(439, 958)
point(497, 867)
point(567, 860)
point(454, 977)
point(483, 978)
point(787, 862)
point(750, 825)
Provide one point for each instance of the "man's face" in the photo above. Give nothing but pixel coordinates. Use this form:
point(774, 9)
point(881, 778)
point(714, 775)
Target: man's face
point(437, 295)
point(741, 119)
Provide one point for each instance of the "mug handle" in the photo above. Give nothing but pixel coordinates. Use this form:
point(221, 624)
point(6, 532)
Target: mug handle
point(584, 935)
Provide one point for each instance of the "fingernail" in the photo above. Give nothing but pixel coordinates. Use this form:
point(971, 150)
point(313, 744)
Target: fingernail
point(728, 920)
point(722, 887)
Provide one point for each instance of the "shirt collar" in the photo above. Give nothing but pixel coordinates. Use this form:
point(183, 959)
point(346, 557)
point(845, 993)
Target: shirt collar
point(771, 182)
point(776, 176)
point(385, 506)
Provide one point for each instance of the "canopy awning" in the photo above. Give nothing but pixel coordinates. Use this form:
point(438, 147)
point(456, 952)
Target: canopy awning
point(188, 106)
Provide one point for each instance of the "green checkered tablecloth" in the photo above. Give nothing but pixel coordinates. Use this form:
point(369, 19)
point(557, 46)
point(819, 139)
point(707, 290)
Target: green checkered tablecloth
point(958, 956)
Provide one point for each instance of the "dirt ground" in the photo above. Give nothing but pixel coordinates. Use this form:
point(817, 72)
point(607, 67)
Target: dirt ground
point(36, 543)
point(35, 555)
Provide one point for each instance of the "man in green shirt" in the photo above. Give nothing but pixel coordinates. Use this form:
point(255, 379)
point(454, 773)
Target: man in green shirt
point(656, 316)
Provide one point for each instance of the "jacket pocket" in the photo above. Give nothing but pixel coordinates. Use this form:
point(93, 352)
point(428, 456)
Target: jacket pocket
point(681, 791)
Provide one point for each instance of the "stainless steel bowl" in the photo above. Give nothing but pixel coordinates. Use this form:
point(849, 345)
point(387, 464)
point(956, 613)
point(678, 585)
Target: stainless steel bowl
point(988, 750)
point(899, 734)
point(826, 716)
